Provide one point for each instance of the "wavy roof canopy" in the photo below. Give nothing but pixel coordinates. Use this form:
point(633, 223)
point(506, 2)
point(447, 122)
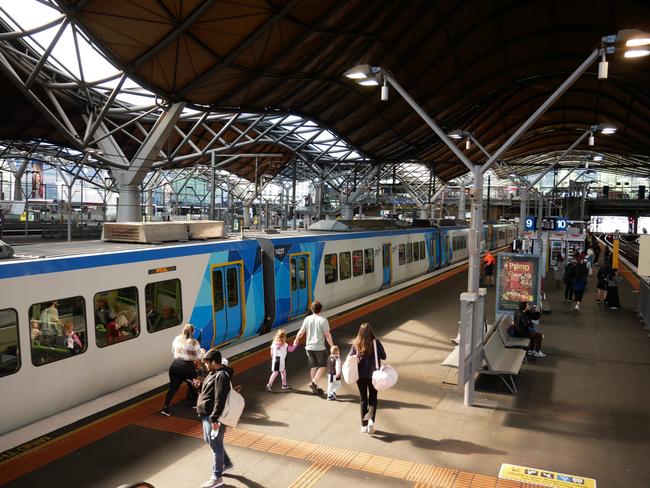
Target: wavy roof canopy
point(478, 66)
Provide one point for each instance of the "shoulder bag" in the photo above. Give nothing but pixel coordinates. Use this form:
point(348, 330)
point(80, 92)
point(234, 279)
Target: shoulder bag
point(350, 369)
point(384, 377)
point(233, 408)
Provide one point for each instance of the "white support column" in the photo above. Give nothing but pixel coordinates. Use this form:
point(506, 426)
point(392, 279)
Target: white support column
point(461, 204)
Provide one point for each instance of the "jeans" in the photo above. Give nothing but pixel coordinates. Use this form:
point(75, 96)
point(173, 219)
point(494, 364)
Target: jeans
point(368, 395)
point(220, 456)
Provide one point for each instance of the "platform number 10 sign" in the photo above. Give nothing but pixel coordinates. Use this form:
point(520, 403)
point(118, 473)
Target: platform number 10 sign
point(530, 223)
point(560, 224)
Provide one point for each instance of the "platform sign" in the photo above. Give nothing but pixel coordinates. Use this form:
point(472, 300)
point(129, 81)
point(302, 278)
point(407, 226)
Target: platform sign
point(542, 477)
point(530, 223)
point(518, 280)
point(561, 224)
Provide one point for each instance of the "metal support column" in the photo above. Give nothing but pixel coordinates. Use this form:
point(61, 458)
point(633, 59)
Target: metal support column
point(293, 197)
point(212, 184)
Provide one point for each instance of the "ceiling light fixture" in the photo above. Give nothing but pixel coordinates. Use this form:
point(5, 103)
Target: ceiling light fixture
point(591, 141)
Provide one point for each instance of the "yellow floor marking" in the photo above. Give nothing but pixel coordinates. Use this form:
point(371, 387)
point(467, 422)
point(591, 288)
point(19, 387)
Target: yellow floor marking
point(310, 477)
point(323, 458)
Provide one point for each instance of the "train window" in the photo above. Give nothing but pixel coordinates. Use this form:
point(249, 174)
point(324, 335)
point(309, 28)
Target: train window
point(357, 263)
point(116, 316)
point(331, 270)
point(416, 252)
point(423, 250)
point(166, 303)
point(344, 265)
point(9, 350)
point(292, 274)
point(233, 287)
point(369, 260)
point(409, 252)
point(217, 289)
point(61, 326)
point(402, 254)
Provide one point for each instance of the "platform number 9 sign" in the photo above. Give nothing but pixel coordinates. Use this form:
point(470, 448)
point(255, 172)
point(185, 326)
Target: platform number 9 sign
point(530, 223)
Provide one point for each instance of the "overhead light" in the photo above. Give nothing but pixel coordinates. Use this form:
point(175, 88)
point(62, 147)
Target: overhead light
point(608, 130)
point(587, 164)
point(369, 82)
point(603, 68)
point(637, 53)
point(640, 41)
point(598, 157)
point(468, 144)
point(512, 175)
point(590, 141)
point(360, 72)
point(456, 134)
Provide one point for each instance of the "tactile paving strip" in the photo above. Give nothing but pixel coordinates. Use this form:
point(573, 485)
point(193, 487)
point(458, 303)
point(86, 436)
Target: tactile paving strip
point(325, 457)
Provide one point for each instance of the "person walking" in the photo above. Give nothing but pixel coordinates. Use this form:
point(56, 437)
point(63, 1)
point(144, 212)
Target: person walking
point(212, 399)
point(612, 301)
point(365, 346)
point(186, 350)
point(279, 349)
point(569, 272)
point(559, 270)
point(580, 280)
point(317, 330)
point(602, 277)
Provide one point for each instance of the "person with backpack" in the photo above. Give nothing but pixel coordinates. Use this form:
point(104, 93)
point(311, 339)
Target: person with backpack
point(210, 406)
point(580, 280)
point(602, 276)
point(569, 272)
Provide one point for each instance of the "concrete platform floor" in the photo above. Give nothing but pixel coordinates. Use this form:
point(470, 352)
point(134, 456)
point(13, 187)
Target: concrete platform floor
point(583, 410)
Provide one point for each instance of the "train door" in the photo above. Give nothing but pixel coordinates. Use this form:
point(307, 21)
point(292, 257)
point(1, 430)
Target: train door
point(299, 284)
point(446, 252)
point(386, 259)
point(227, 302)
point(435, 252)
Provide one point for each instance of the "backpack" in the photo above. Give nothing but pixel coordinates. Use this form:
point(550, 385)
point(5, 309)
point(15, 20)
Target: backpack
point(581, 272)
point(233, 408)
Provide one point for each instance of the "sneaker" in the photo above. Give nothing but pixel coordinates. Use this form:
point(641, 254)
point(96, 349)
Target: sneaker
point(269, 389)
point(364, 429)
point(371, 427)
point(540, 354)
point(530, 352)
point(331, 398)
point(227, 468)
point(286, 387)
point(165, 411)
point(314, 388)
point(212, 483)
point(577, 307)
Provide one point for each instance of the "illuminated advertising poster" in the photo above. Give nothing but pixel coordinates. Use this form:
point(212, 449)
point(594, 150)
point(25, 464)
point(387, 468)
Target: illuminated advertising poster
point(518, 280)
point(38, 189)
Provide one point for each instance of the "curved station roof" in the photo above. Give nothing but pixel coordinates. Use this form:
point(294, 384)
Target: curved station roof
point(267, 78)
point(481, 67)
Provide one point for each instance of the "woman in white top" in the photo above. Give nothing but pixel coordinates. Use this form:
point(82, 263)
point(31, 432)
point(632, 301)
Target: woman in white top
point(186, 350)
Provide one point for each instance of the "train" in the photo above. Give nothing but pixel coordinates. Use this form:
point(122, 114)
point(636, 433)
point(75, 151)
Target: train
point(75, 327)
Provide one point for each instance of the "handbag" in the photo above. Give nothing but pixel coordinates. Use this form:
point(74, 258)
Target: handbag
point(384, 377)
point(233, 408)
point(350, 369)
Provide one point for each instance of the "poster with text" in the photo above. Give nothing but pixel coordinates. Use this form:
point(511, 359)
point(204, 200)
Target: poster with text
point(38, 188)
point(518, 280)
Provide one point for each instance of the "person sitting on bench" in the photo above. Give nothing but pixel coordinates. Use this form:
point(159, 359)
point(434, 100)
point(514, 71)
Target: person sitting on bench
point(526, 321)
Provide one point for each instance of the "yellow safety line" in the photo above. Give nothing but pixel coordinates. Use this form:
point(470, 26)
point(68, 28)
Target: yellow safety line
point(324, 458)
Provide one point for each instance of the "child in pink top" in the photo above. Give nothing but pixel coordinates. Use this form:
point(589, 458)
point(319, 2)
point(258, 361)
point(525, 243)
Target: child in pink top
point(279, 349)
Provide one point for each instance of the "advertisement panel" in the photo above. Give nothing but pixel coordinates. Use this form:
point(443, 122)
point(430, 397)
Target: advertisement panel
point(518, 280)
point(38, 188)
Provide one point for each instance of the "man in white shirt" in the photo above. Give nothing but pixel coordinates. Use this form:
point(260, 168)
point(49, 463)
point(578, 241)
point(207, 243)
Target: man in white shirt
point(317, 330)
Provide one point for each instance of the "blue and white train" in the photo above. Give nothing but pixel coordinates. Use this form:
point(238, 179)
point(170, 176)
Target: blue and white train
point(73, 328)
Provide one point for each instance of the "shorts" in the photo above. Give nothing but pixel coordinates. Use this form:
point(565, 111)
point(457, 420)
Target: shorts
point(317, 359)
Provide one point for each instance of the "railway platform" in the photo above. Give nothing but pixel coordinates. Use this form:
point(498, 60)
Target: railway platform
point(581, 410)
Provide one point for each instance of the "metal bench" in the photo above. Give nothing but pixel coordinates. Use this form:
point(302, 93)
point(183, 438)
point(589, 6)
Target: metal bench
point(502, 361)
